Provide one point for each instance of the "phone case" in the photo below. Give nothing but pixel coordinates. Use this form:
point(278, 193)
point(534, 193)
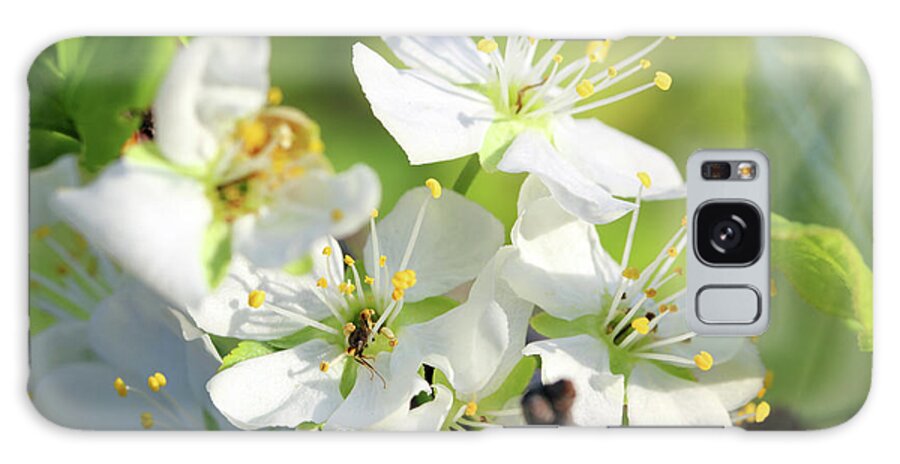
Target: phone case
point(435, 233)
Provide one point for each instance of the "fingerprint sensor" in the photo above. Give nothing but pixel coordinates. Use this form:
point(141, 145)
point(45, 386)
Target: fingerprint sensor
point(724, 304)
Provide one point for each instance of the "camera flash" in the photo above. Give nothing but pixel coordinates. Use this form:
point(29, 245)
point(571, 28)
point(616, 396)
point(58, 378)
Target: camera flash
point(746, 170)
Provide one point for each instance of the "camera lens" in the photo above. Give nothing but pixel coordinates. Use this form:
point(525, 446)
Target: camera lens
point(728, 233)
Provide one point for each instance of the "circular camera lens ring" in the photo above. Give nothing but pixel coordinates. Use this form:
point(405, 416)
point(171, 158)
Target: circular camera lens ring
point(748, 240)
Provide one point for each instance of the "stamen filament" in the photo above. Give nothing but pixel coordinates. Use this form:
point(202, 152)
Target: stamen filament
point(99, 290)
point(668, 341)
point(629, 315)
point(669, 358)
point(414, 235)
point(610, 100)
point(50, 307)
point(66, 294)
point(300, 318)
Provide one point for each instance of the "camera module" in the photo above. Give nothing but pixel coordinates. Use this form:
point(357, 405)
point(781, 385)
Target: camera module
point(728, 233)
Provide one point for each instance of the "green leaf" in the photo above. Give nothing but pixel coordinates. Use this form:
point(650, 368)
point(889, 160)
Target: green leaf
point(216, 252)
point(304, 335)
point(247, 349)
point(514, 385)
point(348, 377)
point(502, 133)
point(552, 327)
point(92, 90)
point(425, 310)
point(827, 271)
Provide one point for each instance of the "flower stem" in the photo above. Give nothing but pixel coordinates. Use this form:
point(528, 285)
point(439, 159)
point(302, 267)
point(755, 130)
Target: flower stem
point(467, 175)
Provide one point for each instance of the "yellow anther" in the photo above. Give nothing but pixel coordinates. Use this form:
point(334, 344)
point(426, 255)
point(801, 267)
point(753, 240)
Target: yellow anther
point(147, 420)
point(487, 45)
point(631, 273)
point(404, 280)
point(597, 50)
point(387, 332)
point(471, 408)
point(374, 213)
point(612, 71)
point(253, 134)
point(349, 328)
point(153, 384)
point(326, 251)
point(163, 381)
point(348, 260)
point(663, 80)
point(393, 342)
point(683, 221)
point(369, 280)
point(645, 63)
point(773, 290)
point(749, 409)
point(644, 178)
point(256, 298)
point(762, 411)
point(337, 215)
point(316, 145)
point(761, 393)
point(679, 271)
point(346, 288)
point(650, 292)
point(322, 283)
point(275, 96)
point(704, 361)
point(673, 308)
point(382, 260)
point(367, 313)
point(672, 251)
point(531, 40)
point(397, 294)
point(641, 325)
point(435, 188)
point(557, 58)
point(121, 387)
point(323, 366)
point(232, 193)
point(42, 232)
point(767, 380)
point(585, 88)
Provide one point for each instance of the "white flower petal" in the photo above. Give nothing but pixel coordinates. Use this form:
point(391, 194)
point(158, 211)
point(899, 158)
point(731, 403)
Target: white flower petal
point(453, 58)
point(82, 396)
point(428, 417)
point(371, 400)
point(226, 311)
point(283, 389)
point(458, 237)
point(313, 206)
point(470, 342)
point(612, 159)
point(151, 221)
point(211, 83)
point(559, 264)
point(656, 398)
point(129, 331)
point(738, 380)
point(43, 182)
point(432, 119)
point(583, 360)
point(577, 193)
point(61, 344)
point(532, 189)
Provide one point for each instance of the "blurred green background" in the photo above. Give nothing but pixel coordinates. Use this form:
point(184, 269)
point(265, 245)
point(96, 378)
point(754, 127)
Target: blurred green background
point(805, 102)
